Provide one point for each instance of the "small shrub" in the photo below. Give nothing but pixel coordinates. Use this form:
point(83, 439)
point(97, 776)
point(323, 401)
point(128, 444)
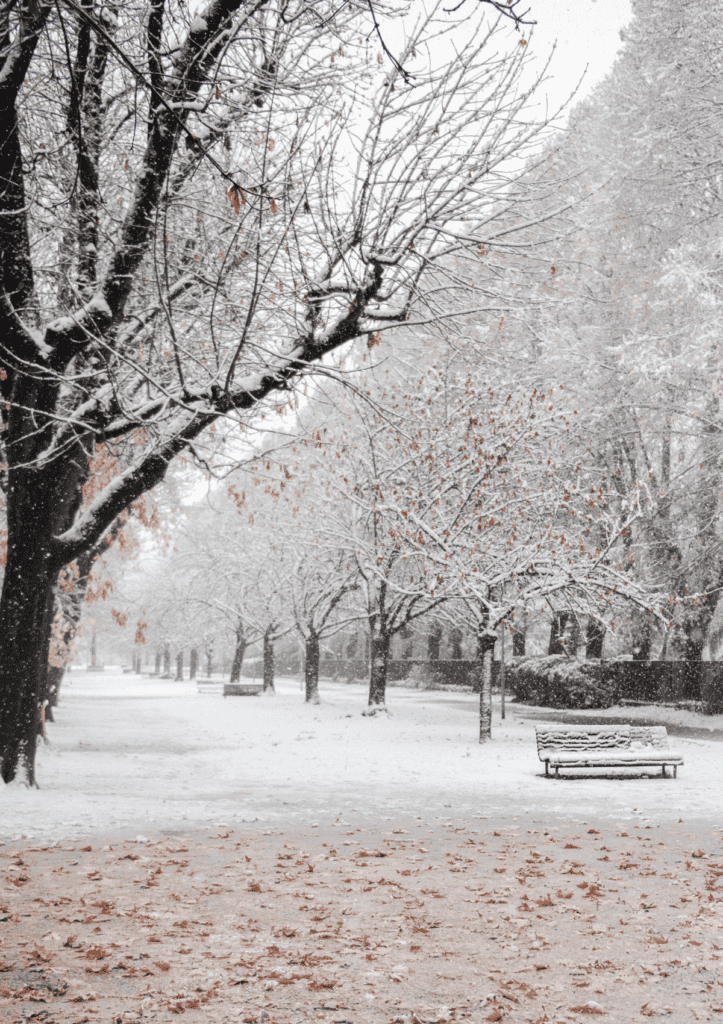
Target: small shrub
point(561, 682)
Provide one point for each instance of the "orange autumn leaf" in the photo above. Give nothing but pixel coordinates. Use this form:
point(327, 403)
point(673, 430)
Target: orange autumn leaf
point(236, 198)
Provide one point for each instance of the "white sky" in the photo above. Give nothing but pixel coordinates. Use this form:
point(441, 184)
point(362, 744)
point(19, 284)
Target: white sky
point(587, 33)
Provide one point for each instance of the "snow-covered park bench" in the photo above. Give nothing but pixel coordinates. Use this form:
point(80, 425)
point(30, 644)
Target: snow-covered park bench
point(208, 686)
point(241, 689)
point(605, 746)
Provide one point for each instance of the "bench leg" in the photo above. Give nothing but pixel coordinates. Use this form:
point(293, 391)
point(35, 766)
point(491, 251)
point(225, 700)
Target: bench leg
point(664, 775)
point(557, 771)
point(547, 768)
point(675, 771)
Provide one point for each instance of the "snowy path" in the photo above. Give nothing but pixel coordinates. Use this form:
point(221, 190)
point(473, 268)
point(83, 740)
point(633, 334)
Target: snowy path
point(131, 753)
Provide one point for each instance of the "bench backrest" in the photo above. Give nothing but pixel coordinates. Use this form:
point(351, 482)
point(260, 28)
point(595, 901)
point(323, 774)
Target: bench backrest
point(649, 736)
point(599, 737)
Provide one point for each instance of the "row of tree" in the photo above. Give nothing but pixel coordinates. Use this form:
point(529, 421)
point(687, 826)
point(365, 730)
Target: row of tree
point(434, 486)
point(197, 207)
point(537, 418)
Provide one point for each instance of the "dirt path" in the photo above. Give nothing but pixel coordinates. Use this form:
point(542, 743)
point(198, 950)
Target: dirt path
point(360, 921)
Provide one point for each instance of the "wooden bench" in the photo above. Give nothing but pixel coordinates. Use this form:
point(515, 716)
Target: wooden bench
point(209, 686)
point(605, 746)
point(242, 689)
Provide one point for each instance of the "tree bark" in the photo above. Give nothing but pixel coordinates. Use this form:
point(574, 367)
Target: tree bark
point(238, 654)
point(179, 665)
point(483, 669)
point(269, 662)
point(193, 663)
point(52, 689)
point(157, 664)
point(166, 659)
point(209, 661)
point(434, 641)
point(26, 613)
point(378, 664)
point(311, 667)
point(518, 642)
point(594, 639)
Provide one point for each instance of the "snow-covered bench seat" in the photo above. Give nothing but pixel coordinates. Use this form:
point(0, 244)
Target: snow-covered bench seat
point(242, 689)
point(605, 746)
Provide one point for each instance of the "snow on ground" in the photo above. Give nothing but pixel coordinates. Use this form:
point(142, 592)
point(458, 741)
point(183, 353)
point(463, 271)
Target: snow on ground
point(131, 752)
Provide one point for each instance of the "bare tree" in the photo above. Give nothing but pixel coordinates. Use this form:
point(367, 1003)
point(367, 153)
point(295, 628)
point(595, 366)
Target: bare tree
point(193, 215)
point(448, 482)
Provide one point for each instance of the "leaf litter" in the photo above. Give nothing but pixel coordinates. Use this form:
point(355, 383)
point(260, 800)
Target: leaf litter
point(365, 897)
point(365, 938)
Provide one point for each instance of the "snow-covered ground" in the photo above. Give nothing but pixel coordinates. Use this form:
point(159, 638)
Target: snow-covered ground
point(140, 754)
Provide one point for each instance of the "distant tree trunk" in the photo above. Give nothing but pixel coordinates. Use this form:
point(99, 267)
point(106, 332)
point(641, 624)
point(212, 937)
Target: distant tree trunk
point(238, 654)
point(209, 661)
point(378, 663)
point(93, 649)
point(692, 654)
point(519, 638)
point(52, 693)
point(455, 642)
point(179, 665)
point(594, 639)
point(157, 664)
point(193, 663)
point(269, 661)
point(311, 667)
point(560, 643)
point(434, 641)
point(166, 659)
point(483, 668)
point(642, 637)
point(70, 605)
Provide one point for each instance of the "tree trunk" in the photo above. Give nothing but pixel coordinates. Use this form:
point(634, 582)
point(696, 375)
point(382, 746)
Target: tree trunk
point(311, 667)
point(483, 669)
point(209, 661)
point(52, 691)
point(558, 629)
point(594, 639)
point(434, 642)
point(518, 643)
point(193, 663)
point(692, 653)
point(26, 614)
point(179, 665)
point(94, 649)
point(157, 664)
point(378, 663)
point(166, 659)
point(238, 654)
point(269, 662)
